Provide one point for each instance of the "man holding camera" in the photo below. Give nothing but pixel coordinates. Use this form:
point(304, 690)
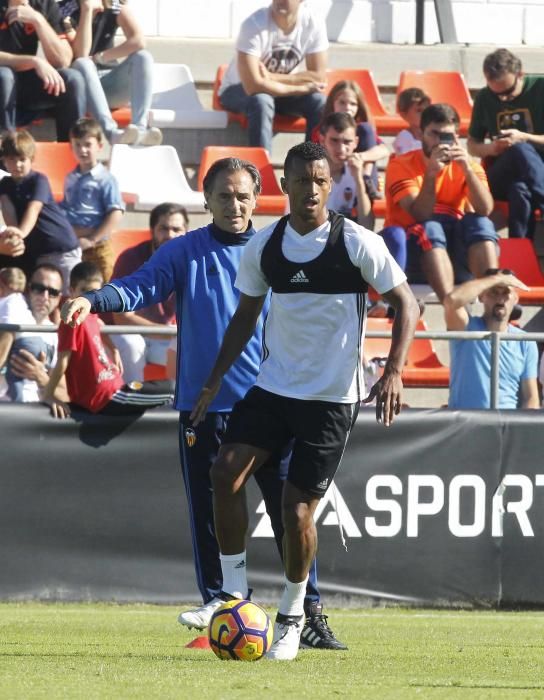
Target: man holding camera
point(437, 208)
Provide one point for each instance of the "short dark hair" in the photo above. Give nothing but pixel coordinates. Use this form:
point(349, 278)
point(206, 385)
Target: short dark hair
point(308, 151)
point(232, 165)
point(85, 128)
point(339, 121)
point(85, 272)
point(411, 96)
point(48, 267)
point(440, 113)
point(500, 62)
point(167, 209)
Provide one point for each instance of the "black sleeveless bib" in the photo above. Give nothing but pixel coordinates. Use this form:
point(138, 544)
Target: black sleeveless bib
point(332, 272)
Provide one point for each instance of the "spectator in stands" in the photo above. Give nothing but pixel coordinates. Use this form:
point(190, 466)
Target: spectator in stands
point(29, 83)
point(471, 359)
point(166, 221)
point(114, 75)
point(349, 194)
point(262, 80)
point(509, 112)
point(410, 105)
point(37, 350)
point(94, 379)
point(92, 200)
point(201, 268)
point(31, 213)
point(346, 96)
point(438, 205)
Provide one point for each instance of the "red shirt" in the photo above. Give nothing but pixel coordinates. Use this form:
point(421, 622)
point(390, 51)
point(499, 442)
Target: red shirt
point(92, 379)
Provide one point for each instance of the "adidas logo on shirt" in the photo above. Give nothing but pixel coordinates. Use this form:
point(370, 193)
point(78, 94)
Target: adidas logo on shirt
point(299, 278)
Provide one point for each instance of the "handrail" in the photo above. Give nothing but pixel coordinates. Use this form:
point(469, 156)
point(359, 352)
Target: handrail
point(495, 337)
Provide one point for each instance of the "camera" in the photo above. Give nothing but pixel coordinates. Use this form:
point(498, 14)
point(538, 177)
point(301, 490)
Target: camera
point(446, 137)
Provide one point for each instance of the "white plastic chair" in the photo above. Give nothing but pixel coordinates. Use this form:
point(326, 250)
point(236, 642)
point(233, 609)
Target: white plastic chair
point(176, 104)
point(153, 175)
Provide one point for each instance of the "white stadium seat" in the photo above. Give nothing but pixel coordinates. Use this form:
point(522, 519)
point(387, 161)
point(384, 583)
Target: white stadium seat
point(176, 104)
point(153, 175)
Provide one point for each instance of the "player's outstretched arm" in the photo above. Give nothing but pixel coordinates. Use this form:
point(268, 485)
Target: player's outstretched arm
point(388, 389)
point(75, 311)
point(237, 335)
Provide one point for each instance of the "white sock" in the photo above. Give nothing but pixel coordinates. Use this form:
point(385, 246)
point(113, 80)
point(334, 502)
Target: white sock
point(234, 571)
point(292, 599)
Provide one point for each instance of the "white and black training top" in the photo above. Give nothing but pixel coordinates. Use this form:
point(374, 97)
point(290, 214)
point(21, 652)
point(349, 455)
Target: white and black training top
point(312, 340)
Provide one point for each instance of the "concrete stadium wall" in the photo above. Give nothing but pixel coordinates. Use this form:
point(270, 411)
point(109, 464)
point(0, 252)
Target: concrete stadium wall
point(510, 22)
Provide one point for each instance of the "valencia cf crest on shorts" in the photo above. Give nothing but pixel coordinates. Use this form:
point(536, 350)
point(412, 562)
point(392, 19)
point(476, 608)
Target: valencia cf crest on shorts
point(190, 437)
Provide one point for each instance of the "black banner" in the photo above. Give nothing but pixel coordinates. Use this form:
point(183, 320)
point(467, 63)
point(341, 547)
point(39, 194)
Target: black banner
point(441, 508)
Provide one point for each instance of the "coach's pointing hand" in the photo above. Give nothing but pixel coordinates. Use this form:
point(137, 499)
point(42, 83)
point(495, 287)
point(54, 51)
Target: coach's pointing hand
point(75, 311)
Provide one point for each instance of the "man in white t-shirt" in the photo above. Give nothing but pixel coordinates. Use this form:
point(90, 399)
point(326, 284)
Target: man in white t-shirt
point(264, 79)
point(318, 265)
point(348, 194)
point(29, 355)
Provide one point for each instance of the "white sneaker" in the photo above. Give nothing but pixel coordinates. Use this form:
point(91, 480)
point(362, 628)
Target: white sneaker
point(200, 617)
point(287, 631)
point(149, 137)
point(127, 136)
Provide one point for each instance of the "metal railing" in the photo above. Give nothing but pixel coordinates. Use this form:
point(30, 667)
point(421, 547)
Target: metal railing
point(495, 337)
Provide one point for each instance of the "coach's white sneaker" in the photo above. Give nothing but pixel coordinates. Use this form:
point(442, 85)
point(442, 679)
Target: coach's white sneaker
point(200, 617)
point(287, 631)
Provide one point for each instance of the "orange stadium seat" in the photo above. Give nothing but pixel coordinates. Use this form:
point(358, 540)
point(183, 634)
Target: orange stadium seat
point(127, 238)
point(422, 369)
point(55, 160)
point(154, 372)
point(122, 115)
point(442, 86)
point(518, 255)
point(282, 122)
point(272, 200)
point(385, 122)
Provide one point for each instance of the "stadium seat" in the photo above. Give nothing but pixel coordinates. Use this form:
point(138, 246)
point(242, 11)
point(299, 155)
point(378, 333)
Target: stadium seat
point(282, 122)
point(422, 369)
point(386, 123)
point(518, 255)
point(127, 238)
point(272, 200)
point(154, 372)
point(153, 175)
point(55, 160)
point(442, 86)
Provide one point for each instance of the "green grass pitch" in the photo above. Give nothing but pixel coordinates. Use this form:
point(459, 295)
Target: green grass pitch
point(138, 651)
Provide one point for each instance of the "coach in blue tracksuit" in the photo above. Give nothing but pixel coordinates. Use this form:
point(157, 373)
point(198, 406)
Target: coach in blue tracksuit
point(200, 268)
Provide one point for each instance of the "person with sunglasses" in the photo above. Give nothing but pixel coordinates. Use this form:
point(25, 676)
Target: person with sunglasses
point(29, 355)
point(507, 131)
point(470, 360)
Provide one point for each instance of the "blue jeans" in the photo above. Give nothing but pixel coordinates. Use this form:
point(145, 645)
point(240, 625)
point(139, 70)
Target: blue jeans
point(35, 345)
point(517, 176)
point(454, 235)
point(22, 98)
point(129, 81)
point(261, 108)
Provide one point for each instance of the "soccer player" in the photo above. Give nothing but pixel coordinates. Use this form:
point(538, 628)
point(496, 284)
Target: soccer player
point(200, 268)
point(319, 266)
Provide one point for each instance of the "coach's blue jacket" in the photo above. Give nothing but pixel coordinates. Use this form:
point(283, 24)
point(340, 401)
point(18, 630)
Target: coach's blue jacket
point(200, 268)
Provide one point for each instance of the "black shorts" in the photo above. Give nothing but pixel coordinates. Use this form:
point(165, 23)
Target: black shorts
point(319, 430)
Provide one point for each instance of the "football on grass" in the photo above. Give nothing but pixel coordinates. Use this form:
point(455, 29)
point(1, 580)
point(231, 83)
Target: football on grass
point(240, 630)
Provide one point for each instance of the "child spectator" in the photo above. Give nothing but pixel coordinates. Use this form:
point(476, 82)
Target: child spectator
point(43, 296)
point(92, 200)
point(348, 193)
point(94, 380)
point(410, 103)
point(31, 213)
point(347, 96)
